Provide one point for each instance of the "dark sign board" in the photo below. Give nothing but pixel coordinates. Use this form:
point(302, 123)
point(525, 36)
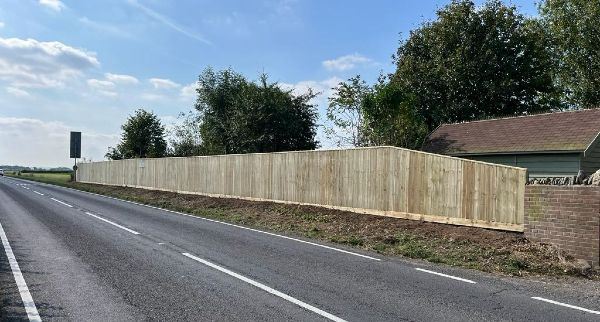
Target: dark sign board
point(75, 145)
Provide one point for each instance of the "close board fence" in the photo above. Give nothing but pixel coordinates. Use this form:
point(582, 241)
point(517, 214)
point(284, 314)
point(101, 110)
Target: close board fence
point(385, 181)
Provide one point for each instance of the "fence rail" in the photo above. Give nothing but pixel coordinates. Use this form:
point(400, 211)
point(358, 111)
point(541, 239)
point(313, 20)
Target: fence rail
point(385, 181)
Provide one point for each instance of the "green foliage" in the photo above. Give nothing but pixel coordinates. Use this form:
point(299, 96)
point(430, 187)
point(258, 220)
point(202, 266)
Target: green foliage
point(186, 140)
point(143, 137)
point(470, 63)
point(345, 112)
point(574, 28)
point(391, 118)
point(474, 63)
point(240, 116)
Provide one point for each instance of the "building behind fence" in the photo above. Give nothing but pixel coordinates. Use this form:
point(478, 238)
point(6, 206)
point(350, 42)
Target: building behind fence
point(384, 181)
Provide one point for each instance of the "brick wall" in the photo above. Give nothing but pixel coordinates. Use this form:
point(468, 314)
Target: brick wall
point(566, 216)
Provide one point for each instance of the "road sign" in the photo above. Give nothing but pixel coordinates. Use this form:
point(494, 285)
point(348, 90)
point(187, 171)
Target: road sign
point(75, 145)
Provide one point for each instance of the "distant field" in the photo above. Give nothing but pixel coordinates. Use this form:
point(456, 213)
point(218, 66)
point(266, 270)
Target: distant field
point(54, 177)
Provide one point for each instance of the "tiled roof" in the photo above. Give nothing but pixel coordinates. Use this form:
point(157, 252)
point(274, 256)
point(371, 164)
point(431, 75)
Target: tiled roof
point(561, 131)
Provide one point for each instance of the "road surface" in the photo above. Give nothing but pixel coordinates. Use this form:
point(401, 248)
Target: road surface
point(70, 255)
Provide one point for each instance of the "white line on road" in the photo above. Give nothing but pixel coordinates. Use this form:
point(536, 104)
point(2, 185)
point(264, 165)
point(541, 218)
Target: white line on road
point(112, 223)
point(444, 275)
point(566, 305)
point(24, 187)
point(255, 230)
point(224, 223)
point(64, 203)
point(266, 288)
point(32, 312)
point(39, 193)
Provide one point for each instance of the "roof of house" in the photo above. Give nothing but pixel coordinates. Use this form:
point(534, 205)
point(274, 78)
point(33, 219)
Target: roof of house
point(560, 131)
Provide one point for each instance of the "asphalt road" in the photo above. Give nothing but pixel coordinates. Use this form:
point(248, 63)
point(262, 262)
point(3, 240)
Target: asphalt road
point(70, 255)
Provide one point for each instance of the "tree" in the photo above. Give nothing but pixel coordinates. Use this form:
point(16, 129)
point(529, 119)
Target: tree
point(143, 137)
point(574, 27)
point(221, 95)
point(345, 112)
point(472, 63)
point(186, 139)
point(240, 116)
point(390, 116)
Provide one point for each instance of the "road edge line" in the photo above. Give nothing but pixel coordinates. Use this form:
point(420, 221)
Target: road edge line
point(213, 220)
point(566, 305)
point(28, 303)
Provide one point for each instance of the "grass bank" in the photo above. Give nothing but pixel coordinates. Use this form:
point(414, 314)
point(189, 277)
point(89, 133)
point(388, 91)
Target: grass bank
point(482, 249)
point(47, 177)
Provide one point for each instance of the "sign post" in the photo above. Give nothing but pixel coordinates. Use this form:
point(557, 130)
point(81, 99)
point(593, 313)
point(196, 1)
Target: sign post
point(75, 150)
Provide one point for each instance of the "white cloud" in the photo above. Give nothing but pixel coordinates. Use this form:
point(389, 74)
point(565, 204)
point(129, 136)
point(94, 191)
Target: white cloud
point(189, 91)
point(100, 84)
point(324, 86)
point(2, 24)
point(152, 97)
point(33, 142)
point(162, 83)
point(17, 92)
point(121, 79)
point(32, 63)
point(167, 22)
point(347, 62)
point(55, 5)
point(102, 87)
point(108, 93)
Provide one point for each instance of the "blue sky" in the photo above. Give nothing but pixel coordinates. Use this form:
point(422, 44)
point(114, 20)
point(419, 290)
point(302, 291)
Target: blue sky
point(86, 65)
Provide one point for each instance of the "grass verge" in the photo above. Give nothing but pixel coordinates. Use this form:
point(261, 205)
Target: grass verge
point(492, 251)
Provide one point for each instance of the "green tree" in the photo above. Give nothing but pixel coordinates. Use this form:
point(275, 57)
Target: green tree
point(143, 137)
point(472, 63)
point(345, 112)
point(390, 116)
point(221, 97)
point(574, 27)
point(185, 138)
point(240, 116)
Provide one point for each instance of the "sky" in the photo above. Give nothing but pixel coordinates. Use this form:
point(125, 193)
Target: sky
point(86, 65)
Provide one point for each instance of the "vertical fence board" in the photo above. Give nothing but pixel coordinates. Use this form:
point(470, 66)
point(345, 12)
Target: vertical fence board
point(379, 180)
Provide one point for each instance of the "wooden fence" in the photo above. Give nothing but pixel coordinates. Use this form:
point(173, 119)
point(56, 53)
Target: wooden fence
point(385, 181)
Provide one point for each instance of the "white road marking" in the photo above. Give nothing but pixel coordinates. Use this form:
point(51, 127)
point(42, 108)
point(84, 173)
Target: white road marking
point(224, 223)
point(60, 202)
point(267, 233)
point(30, 309)
point(444, 275)
point(266, 288)
point(112, 223)
point(24, 187)
point(39, 193)
point(566, 305)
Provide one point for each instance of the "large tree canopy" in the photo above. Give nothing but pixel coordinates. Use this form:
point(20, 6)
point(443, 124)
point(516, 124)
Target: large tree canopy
point(240, 116)
point(574, 27)
point(143, 137)
point(472, 63)
point(469, 63)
